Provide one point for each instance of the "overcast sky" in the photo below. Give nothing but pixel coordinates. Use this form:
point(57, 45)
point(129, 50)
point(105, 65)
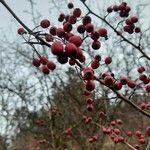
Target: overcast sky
point(19, 6)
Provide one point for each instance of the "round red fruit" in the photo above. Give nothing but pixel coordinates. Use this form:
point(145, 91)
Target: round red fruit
point(57, 48)
point(102, 32)
point(108, 60)
point(70, 49)
point(75, 40)
point(90, 85)
point(36, 62)
point(45, 23)
point(45, 69)
point(51, 65)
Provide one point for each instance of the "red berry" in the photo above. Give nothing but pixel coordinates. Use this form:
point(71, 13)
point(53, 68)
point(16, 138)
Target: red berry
point(142, 141)
point(72, 19)
point(95, 64)
point(72, 62)
point(141, 69)
point(52, 30)
point(62, 58)
point(108, 60)
point(117, 131)
point(96, 45)
point(89, 27)
point(102, 32)
point(134, 19)
point(110, 9)
point(43, 60)
point(129, 133)
point(137, 30)
point(123, 80)
point(45, 23)
point(90, 85)
point(143, 77)
point(75, 40)
point(89, 101)
point(70, 49)
point(21, 31)
point(36, 62)
point(86, 20)
point(70, 5)
point(131, 83)
point(87, 93)
point(81, 29)
point(51, 65)
point(67, 27)
point(95, 35)
point(90, 107)
point(128, 22)
point(60, 32)
point(61, 17)
point(115, 8)
point(45, 69)
point(88, 73)
point(118, 85)
point(97, 58)
point(77, 12)
point(108, 80)
point(57, 48)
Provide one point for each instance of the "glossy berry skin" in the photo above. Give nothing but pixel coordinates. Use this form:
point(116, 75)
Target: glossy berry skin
point(60, 32)
point(118, 85)
point(89, 27)
point(123, 80)
point(95, 64)
point(86, 20)
point(75, 40)
point(52, 31)
point(90, 85)
point(94, 35)
point(71, 49)
point(43, 60)
point(70, 5)
point(36, 62)
point(102, 32)
point(51, 65)
point(108, 60)
point(88, 73)
point(96, 45)
point(72, 19)
point(81, 29)
point(67, 27)
point(45, 23)
point(137, 30)
point(45, 69)
point(141, 69)
point(77, 12)
point(131, 83)
point(57, 48)
point(108, 80)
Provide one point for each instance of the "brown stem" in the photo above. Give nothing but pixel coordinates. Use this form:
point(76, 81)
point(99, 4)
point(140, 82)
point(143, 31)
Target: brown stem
point(28, 29)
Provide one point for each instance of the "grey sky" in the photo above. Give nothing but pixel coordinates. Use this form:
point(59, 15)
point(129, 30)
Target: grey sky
point(43, 7)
